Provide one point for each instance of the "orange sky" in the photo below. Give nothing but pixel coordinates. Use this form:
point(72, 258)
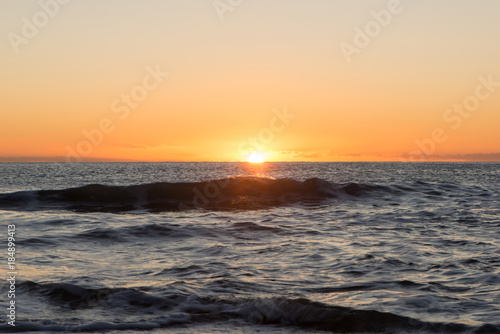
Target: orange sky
point(184, 80)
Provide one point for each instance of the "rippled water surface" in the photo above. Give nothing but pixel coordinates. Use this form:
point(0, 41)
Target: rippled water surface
point(277, 247)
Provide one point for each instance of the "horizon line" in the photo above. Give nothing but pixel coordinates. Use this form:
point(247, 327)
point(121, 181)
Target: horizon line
point(246, 162)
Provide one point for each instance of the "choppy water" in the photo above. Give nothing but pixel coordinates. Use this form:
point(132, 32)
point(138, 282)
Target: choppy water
point(232, 247)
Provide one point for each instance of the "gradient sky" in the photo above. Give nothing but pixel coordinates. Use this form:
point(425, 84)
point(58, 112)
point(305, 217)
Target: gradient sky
point(230, 72)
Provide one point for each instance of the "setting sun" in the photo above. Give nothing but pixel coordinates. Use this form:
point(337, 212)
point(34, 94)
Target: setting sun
point(256, 157)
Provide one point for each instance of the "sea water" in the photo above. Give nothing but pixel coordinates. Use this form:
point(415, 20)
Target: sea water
point(252, 248)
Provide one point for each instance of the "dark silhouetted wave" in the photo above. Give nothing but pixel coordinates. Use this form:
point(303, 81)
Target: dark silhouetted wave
point(231, 193)
point(177, 308)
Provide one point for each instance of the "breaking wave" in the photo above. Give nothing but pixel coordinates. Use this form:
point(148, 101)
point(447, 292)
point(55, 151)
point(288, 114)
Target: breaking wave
point(177, 308)
point(230, 193)
point(240, 193)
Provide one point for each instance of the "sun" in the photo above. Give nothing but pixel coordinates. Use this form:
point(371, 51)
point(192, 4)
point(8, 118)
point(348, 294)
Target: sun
point(256, 157)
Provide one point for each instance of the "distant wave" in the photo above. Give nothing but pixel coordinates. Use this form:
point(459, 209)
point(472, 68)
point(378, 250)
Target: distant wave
point(173, 309)
point(231, 193)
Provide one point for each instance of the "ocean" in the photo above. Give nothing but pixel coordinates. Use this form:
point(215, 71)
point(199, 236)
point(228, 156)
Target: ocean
point(251, 248)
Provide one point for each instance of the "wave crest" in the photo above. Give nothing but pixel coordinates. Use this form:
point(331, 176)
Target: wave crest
point(176, 307)
point(251, 192)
